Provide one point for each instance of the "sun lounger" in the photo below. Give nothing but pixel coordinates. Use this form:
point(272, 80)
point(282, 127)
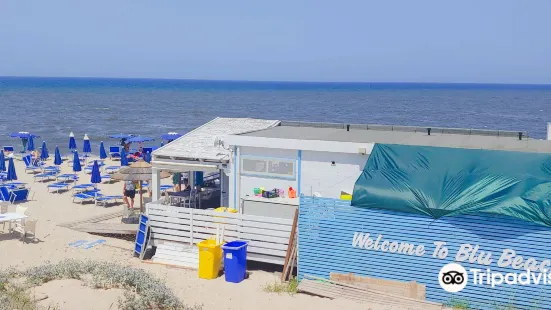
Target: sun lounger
point(106, 178)
point(83, 187)
point(6, 194)
point(15, 185)
point(51, 169)
point(13, 195)
point(82, 197)
point(57, 187)
point(114, 152)
point(30, 166)
point(104, 199)
point(112, 169)
point(70, 160)
point(45, 176)
point(89, 195)
point(67, 177)
point(21, 194)
point(164, 188)
point(9, 149)
point(100, 162)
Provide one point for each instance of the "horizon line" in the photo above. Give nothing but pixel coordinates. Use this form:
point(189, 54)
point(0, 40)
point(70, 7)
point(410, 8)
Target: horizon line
point(271, 81)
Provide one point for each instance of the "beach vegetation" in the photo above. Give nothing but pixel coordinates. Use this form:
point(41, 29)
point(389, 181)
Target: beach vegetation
point(458, 304)
point(290, 287)
point(142, 290)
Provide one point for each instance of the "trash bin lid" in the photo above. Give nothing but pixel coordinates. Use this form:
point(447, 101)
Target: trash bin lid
point(235, 245)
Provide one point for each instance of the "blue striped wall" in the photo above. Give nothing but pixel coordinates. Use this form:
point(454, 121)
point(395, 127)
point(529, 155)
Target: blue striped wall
point(326, 229)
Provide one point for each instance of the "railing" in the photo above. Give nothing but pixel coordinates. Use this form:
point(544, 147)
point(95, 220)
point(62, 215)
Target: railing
point(268, 237)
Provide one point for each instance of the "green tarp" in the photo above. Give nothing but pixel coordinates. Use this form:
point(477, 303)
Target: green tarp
point(437, 182)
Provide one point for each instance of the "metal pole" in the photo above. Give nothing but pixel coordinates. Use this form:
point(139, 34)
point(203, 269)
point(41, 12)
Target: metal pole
point(141, 198)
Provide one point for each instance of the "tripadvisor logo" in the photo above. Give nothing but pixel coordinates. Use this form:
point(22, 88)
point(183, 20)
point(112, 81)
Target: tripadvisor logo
point(453, 277)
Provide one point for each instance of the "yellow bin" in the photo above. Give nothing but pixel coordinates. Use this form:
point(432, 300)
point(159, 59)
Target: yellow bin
point(210, 258)
point(225, 209)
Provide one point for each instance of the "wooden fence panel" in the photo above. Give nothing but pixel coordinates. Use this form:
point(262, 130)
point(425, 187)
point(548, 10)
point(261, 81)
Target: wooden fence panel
point(268, 237)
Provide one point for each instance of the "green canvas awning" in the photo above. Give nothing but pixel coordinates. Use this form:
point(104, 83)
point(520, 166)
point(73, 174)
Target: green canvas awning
point(438, 182)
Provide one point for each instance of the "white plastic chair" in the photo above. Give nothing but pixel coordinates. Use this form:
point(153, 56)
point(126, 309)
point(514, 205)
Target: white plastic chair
point(16, 209)
point(28, 227)
point(4, 207)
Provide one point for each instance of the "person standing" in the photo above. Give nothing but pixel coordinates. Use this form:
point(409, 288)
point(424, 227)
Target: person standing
point(129, 192)
point(177, 181)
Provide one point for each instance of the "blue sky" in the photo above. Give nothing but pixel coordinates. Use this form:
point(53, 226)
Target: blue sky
point(481, 41)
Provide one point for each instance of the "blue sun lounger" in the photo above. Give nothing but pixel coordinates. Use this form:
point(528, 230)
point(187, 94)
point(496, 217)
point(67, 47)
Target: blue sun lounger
point(83, 187)
point(70, 160)
point(12, 195)
point(104, 199)
point(82, 197)
point(51, 169)
point(9, 149)
point(100, 162)
point(85, 196)
point(56, 187)
point(114, 152)
point(29, 165)
point(6, 195)
point(66, 177)
point(112, 169)
point(45, 176)
point(15, 185)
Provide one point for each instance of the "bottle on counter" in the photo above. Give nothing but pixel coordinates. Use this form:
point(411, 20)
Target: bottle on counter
point(292, 193)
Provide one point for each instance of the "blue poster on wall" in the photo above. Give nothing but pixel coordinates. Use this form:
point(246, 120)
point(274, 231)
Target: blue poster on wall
point(496, 261)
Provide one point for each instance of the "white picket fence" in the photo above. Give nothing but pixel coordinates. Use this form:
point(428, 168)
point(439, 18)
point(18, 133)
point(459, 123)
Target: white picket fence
point(268, 237)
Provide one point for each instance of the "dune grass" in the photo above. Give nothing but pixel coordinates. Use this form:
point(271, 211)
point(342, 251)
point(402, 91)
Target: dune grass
point(142, 290)
point(290, 287)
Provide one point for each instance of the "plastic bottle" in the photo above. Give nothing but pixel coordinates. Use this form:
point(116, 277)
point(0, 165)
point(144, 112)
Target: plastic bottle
point(292, 193)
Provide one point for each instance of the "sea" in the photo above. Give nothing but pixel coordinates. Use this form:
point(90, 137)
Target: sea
point(99, 107)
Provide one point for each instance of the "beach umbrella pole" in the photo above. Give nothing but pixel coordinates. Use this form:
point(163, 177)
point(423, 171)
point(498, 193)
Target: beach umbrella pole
point(141, 198)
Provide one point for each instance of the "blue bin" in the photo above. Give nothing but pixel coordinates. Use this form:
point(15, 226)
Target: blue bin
point(235, 261)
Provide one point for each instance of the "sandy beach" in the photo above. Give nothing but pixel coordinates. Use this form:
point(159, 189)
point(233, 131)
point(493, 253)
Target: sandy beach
point(51, 209)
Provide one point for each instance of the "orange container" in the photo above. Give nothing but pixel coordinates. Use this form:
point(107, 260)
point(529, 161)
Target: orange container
point(292, 193)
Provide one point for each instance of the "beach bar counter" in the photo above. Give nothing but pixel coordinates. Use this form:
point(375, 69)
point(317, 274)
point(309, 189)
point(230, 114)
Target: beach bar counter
point(177, 226)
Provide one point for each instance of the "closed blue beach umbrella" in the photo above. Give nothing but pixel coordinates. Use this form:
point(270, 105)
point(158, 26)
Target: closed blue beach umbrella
point(12, 176)
point(44, 152)
point(2, 162)
point(30, 144)
point(124, 159)
point(72, 142)
point(96, 175)
point(86, 147)
point(148, 157)
point(57, 157)
point(102, 153)
point(76, 162)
